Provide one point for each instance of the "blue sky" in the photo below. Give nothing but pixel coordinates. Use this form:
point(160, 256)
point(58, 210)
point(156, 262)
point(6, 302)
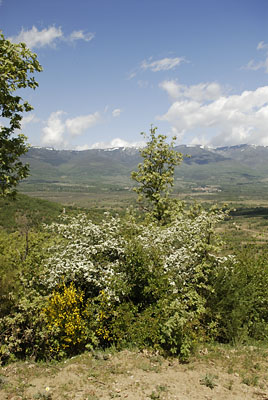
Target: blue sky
point(194, 68)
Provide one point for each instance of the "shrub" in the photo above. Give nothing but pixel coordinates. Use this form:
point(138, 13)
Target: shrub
point(22, 295)
point(126, 257)
point(239, 301)
point(10, 246)
point(87, 255)
point(125, 261)
point(123, 281)
point(22, 332)
point(64, 319)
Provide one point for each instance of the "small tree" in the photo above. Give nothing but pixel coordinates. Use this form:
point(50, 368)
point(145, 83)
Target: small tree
point(16, 62)
point(155, 174)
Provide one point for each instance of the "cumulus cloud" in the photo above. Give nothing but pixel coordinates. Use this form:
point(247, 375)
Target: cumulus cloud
point(256, 65)
point(54, 130)
point(57, 127)
point(117, 142)
point(79, 124)
point(227, 120)
point(200, 92)
point(116, 112)
point(35, 38)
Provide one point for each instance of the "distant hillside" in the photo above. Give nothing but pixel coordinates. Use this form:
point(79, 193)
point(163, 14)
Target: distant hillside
point(25, 213)
point(224, 168)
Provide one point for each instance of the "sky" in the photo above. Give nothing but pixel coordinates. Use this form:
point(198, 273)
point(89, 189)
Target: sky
point(197, 69)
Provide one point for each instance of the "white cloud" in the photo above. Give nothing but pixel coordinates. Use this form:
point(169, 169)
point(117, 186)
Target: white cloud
point(31, 118)
point(165, 64)
point(81, 35)
point(48, 36)
point(117, 142)
point(201, 139)
point(256, 65)
point(200, 92)
point(79, 124)
point(54, 130)
point(262, 46)
point(227, 120)
point(116, 112)
point(82, 147)
point(57, 126)
point(36, 38)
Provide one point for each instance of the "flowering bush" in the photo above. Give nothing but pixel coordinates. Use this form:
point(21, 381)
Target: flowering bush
point(124, 252)
point(87, 255)
point(132, 281)
point(64, 318)
point(140, 262)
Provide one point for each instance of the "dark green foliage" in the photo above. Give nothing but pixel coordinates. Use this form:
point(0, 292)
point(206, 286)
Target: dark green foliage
point(21, 266)
point(239, 303)
point(17, 62)
point(145, 278)
point(22, 332)
point(249, 212)
point(10, 247)
point(22, 294)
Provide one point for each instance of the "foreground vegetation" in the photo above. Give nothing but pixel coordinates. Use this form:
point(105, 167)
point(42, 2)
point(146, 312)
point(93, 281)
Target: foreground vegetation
point(80, 285)
point(158, 277)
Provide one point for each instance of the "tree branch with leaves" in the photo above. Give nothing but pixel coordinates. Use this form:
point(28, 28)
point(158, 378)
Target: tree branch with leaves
point(17, 64)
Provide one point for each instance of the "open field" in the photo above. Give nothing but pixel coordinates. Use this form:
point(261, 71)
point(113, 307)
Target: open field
point(124, 198)
point(106, 200)
point(247, 224)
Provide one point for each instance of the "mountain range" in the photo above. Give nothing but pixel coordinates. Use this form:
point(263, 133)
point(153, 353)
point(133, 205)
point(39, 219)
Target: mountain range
point(235, 168)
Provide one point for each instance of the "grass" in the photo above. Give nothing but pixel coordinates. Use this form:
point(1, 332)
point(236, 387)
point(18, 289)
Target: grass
point(25, 212)
point(159, 391)
point(209, 380)
point(247, 362)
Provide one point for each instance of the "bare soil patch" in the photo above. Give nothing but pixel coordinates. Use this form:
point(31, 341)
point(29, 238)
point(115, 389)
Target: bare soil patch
point(213, 373)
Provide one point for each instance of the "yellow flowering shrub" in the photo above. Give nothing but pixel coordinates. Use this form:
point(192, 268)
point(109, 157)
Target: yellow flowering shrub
point(64, 317)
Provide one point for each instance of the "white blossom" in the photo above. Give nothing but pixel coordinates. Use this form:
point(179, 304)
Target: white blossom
point(94, 255)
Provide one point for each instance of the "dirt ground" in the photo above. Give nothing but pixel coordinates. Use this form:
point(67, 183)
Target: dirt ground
point(213, 374)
